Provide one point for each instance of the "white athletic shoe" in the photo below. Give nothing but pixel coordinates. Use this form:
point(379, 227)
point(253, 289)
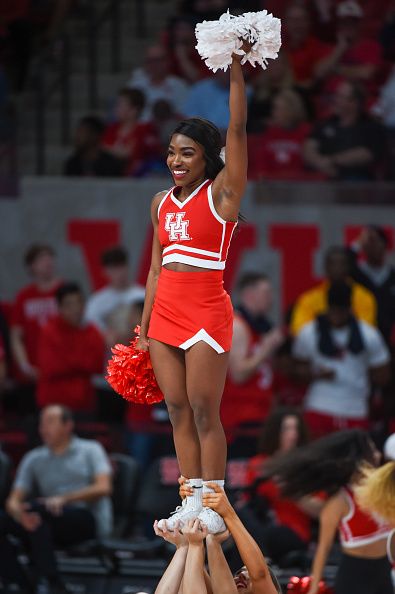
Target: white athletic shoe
point(182, 514)
point(212, 520)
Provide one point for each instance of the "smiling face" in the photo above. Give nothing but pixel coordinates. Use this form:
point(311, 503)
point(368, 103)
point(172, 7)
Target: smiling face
point(185, 159)
point(242, 581)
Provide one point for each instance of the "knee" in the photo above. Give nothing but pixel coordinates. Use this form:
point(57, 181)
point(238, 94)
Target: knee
point(179, 413)
point(205, 419)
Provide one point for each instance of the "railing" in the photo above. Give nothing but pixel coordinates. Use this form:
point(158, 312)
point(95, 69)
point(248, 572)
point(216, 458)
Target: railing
point(46, 84)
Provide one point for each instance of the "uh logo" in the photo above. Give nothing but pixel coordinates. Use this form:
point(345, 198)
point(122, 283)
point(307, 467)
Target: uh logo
point(176, 226)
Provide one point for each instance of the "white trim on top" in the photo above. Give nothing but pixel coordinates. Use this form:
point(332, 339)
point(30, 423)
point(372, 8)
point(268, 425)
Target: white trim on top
point(212, 207)
point(200, 262)
point(185, 248)
point(389, 542)
point(230, 241)
point(163, 199)
point(184, 202)
point(204, 336)
point(358, 541)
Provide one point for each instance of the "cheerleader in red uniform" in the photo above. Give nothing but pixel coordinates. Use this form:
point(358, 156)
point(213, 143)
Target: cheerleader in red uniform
point(334, 464)
point(187, 318)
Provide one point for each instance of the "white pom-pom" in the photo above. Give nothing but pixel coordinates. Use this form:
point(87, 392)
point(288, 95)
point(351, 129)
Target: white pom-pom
point(218, 40)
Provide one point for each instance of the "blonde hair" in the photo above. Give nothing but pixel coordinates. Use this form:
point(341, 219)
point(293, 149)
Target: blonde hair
point(376, 491)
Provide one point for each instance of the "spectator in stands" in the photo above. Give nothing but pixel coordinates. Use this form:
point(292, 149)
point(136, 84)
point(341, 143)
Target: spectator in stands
point(69, 353)
point(265, 86)
point(339, 356)
point(385, 109)
point(375, 273)
point(315, 301)
point(131, 141)
point(34, 305)
point(60, 497)
point(184, 59)
point(354, 57)
point(109, 309)
point(164, 121)
point(89, 159)
point(278, 524)
point(156, 82)
point(303, 49)
point(248, 395)
point(348, 145)
point(278, 152)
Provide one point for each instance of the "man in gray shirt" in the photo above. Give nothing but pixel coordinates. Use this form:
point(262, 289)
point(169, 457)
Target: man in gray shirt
point(60, 496)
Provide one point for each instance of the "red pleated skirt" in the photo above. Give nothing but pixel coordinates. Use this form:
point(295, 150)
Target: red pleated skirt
point(190, 307)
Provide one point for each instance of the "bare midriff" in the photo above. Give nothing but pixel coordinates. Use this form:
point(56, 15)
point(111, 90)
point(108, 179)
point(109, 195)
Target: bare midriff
point(178, 267)
point(374, 550)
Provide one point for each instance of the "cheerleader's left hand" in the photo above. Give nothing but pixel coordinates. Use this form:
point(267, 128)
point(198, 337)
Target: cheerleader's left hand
point(246, 47)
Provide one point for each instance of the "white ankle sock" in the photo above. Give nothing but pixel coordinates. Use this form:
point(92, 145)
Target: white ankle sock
point(195, 500)
point(207, 489)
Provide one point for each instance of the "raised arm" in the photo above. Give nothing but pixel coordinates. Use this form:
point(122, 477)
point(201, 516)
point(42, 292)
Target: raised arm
point(251, 554)
point(194, 579)
point(221, 576)
point(153, 274)
point(171, 581)
point(230, 183)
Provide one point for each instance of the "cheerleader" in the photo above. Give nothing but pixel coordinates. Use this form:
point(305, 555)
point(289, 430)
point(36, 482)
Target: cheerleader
point(333, 464)
point(187, 318)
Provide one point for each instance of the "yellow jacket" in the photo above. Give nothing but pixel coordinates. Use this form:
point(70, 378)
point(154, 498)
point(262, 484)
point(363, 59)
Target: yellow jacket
point(314, 302)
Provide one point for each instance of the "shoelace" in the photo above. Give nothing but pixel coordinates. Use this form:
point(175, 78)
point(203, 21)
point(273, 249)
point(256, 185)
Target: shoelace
point(178, 509)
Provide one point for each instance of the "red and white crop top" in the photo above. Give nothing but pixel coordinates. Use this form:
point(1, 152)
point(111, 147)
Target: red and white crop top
point(358, 527)
point(192, 232)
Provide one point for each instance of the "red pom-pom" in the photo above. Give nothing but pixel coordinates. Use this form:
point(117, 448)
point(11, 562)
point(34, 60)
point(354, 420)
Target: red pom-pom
point(130, 374)
point(301, 585)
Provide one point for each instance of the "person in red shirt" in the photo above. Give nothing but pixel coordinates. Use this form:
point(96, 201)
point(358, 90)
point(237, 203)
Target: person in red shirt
point(34, 305)
point(278, 152)
point(354, 57)
point(303, 49)
point(248, 394)
point(279, 524)
point(133, 142)
point(69, 353)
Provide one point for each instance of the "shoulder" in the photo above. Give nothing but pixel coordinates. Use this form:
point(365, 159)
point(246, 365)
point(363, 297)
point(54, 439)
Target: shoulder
point(87, 445)
point(26, 293)
point(157, 199)
point(34, 456)
point(311, 295)
point(308, 332)
point(361, 292)
point(99, 296)
point(369, 333)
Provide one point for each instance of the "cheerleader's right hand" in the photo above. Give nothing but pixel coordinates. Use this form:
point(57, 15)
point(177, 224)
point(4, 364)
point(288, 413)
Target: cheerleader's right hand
point(142, 344)
point(185, 489)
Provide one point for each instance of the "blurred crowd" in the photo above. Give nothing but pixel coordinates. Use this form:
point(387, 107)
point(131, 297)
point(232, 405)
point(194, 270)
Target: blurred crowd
point(324, 109)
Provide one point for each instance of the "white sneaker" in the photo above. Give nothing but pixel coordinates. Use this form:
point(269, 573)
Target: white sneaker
point(212, 520)
point(182, 514)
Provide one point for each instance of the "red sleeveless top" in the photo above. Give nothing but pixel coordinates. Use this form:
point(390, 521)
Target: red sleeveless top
point(358, 527)
point(192, 232)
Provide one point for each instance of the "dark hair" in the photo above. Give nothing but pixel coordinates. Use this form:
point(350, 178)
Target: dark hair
point(209, 137)
point(35, 251)
point(66, 414)
point(70, 288)
point(249, 279)
point(93, 123)
point(115, 256)
point(339, 295)
point(326, 464)
point(380, 231)
point(269, 439)
point(135, 98)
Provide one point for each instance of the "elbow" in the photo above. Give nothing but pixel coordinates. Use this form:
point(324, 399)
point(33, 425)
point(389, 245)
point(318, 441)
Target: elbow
point(259, 574)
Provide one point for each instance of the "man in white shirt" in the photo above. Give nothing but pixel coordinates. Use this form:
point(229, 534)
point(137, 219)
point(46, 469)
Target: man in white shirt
point(154, 79)
point(340, 357)
point(110, 309)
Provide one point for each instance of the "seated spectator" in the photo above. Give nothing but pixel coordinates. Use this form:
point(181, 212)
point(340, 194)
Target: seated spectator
point(184, 59)
point(347, 146)
point(315, 301)
point(354, 57)
point(164, 121)
point(60, 497)
point(109, 309)
point(304, 51)
point(248, 394)
point(89, 159)
point(278, 524)
point(131, 141)
point(265, 86)
point(370, 268)
point(277, 153)
point(156, 82)
point(33, 307)
point(69, 353)
point(209, 99)
point(340, 357)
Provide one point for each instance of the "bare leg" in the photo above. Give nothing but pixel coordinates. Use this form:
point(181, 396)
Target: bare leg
point(169, 367)
point(205, 380)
